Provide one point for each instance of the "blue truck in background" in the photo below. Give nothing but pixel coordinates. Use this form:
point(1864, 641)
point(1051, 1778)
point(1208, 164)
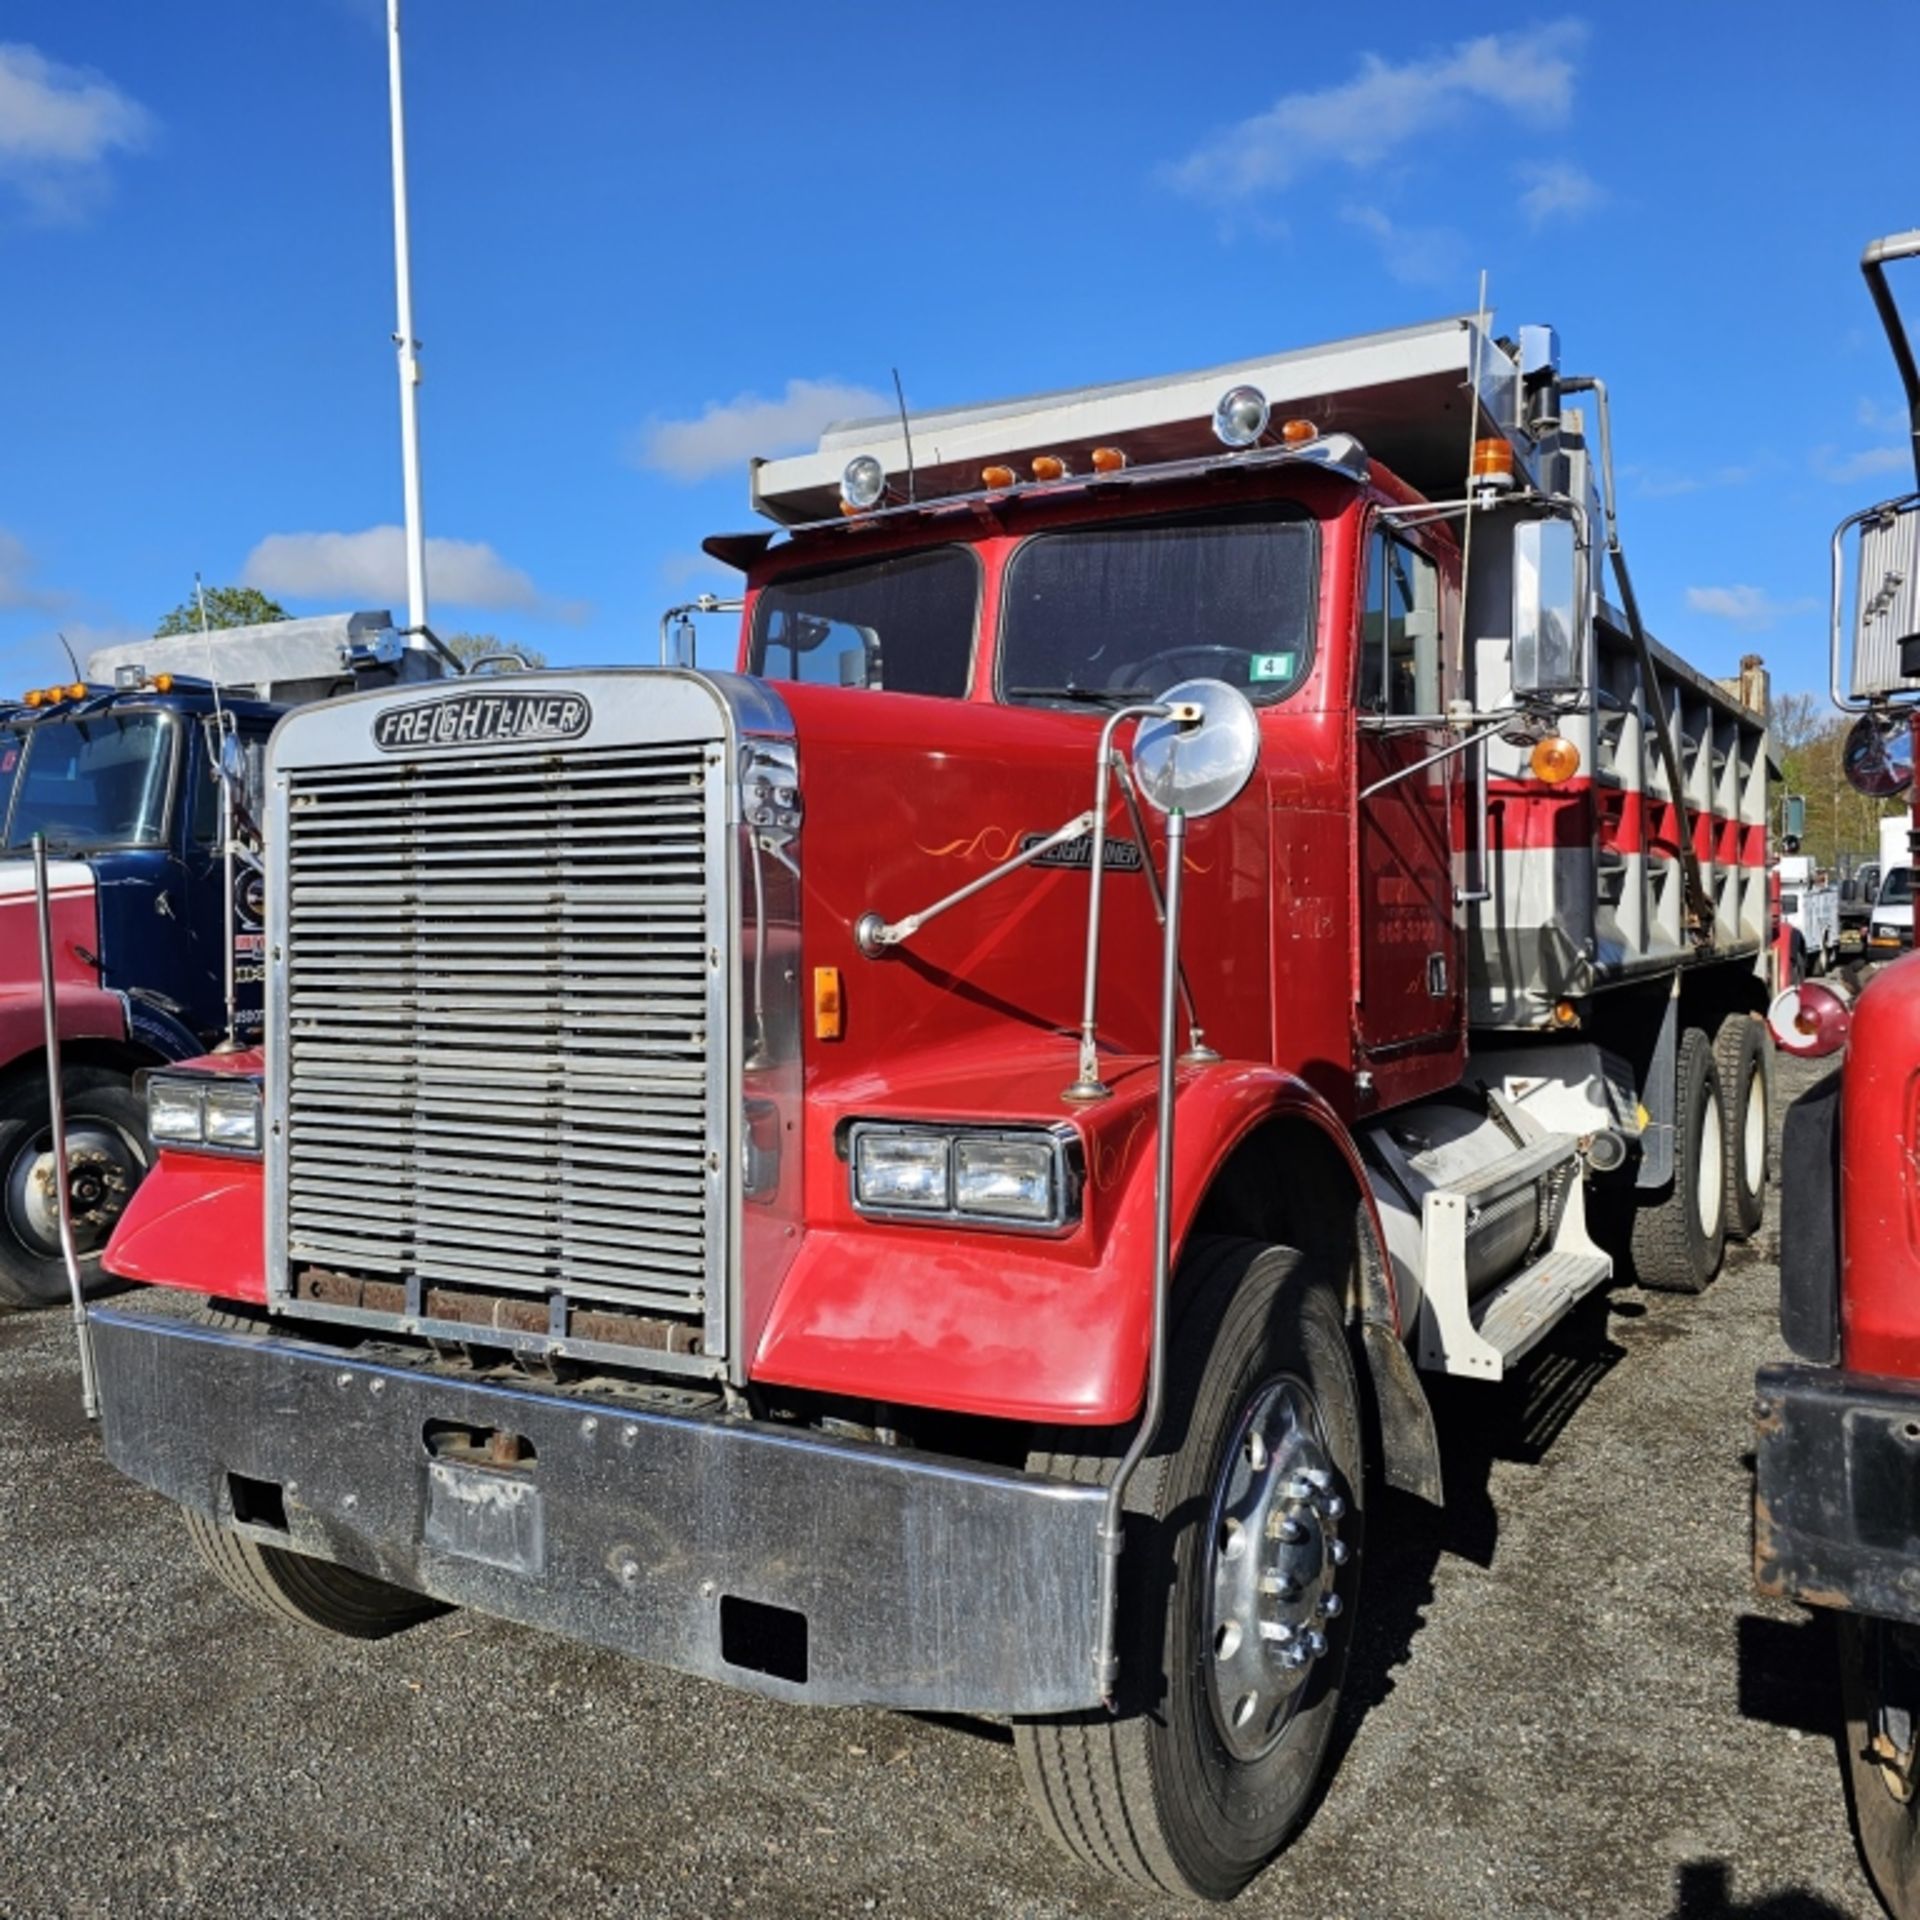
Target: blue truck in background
point(141, 777)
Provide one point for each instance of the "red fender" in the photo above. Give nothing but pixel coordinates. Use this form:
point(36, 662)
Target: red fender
point(1880, 1176)
point(197, 1221)
point(1009, 1326)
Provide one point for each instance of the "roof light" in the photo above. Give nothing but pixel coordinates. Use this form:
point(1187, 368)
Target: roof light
point(1554, 760)
point(163, 683)
point(1492, 465)
point(1050, 466)
point(1108, 460)
point(1241, 417)
point(32, 698)
point(995, 478)
point(1296, 433)
point(78, 691)
point(862, 483)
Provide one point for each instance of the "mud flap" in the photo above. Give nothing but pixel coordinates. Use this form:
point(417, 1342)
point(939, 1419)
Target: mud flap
point(1409, 1445)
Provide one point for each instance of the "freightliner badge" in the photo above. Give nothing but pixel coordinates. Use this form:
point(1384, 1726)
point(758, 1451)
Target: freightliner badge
point(481, 720)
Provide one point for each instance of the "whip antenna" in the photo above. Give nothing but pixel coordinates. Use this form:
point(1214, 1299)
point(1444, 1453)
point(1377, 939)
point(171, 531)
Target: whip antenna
point(906, 432)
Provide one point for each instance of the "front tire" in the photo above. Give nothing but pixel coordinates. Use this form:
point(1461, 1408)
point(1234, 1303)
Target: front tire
point(1680, 1239)
point(1237, 1589)
point(1880, 1664)
point(107, 1156)
point(294, 1588)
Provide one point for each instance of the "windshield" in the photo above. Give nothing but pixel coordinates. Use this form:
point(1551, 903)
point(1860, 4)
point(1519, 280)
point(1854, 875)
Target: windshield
point(1133, 610)
point(905, 624)
point(91, 783)
point(1897, 890)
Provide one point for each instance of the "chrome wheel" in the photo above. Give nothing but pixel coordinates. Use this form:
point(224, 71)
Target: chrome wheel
point(1710, 1175)
point(103, 1168)
point(1274, 1559)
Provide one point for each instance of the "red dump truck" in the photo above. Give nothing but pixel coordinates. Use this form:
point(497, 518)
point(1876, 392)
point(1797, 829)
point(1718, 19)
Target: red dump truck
point(1837, 1475)
point(930, 1168)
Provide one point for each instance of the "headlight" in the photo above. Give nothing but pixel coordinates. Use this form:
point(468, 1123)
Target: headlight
point(176, 1112)
point(1013, 1177)
point(1009, 1177)
point(233, 1116)
point(893, 1170)
point(213, 1114)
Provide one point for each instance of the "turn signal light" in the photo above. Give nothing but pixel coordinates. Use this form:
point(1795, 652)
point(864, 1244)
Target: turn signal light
point(1554, 760)
point(1050, 466)
point(1492, 464)
point(1296, 433)
point(995, 478)
point(829, 1004)
point(1108, 460)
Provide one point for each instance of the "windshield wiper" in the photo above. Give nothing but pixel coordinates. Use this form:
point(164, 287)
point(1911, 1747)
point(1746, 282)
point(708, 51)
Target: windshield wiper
point(1090, 696)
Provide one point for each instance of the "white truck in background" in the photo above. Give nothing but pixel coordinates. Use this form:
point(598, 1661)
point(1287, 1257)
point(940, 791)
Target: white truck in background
point(1810, 905)
point(1890, 928)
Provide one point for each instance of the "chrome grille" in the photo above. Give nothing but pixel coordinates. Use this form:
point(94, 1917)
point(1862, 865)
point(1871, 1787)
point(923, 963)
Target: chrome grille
point(501, 1001)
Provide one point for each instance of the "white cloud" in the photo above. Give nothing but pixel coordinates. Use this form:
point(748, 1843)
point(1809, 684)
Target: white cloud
point(1880, 419)
point(17, 588)
point(1750, 607)
point(1554, 189)
point(1664, 483)
point(731, 432)
point(1845, 468)
point(1385, 107)
point(1418, 256)
point(369, 568)
point(58, 125)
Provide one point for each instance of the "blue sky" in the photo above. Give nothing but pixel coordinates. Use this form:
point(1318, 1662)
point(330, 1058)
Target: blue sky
point(651, 240)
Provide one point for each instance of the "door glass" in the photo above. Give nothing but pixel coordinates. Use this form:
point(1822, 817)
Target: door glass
point(1400, 637)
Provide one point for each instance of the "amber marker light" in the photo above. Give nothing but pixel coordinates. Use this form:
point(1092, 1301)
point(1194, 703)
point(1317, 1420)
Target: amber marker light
point(1050, 466)
point(1492, 464)
point(1296, 433)
point(1565, 1014)
point(163, 683)
point(1554, 760)
point(1108, 460)
point(829, 1004)
point(78, 691)
point(31, 699)
point(996, 477)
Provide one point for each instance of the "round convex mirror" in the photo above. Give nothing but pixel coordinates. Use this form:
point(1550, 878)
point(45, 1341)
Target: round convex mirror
point(1197, 768)
point(1878, 755)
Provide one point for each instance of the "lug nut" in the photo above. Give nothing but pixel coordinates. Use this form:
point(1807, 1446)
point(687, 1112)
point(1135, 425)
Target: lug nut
point(1289, 1532)
point(1337, 1552)
point(1318, 1476)
point(1300, 1488)
point(1277, 1632)
point(1332, 1506)
point(1277, 1586)
point(1315, 1643)
point(1329, 1606)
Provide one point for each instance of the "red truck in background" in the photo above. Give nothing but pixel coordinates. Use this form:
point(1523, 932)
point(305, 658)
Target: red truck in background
point(928, 1170)
point(1837, 1464)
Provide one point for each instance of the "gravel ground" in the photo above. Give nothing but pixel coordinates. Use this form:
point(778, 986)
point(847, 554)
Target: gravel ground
point(1566, 1701)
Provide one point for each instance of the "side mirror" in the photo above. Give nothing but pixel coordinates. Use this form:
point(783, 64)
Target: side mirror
point(1546, 626)
point(1196, 767)
point(1794, 827)
point(1886, 599)
point(1877, 757)
point(1812, 1019)
point(683, 643)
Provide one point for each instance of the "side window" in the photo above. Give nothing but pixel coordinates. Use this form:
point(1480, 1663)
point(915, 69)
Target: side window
point(1400, 634)
point(205, 776)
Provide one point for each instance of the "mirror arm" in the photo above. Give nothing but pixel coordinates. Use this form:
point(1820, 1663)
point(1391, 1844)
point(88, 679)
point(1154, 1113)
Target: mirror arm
point(874, 936)
point(1445, 753)
point(706, 603)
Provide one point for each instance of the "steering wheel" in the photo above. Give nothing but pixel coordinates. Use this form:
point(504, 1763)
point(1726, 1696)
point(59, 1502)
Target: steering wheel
point(1159, 671)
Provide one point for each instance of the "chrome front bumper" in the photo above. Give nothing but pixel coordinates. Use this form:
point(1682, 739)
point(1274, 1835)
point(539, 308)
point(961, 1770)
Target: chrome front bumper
point(774, 1560)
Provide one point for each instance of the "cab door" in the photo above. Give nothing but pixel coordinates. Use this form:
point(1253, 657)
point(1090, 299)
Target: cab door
point(1409, 993)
